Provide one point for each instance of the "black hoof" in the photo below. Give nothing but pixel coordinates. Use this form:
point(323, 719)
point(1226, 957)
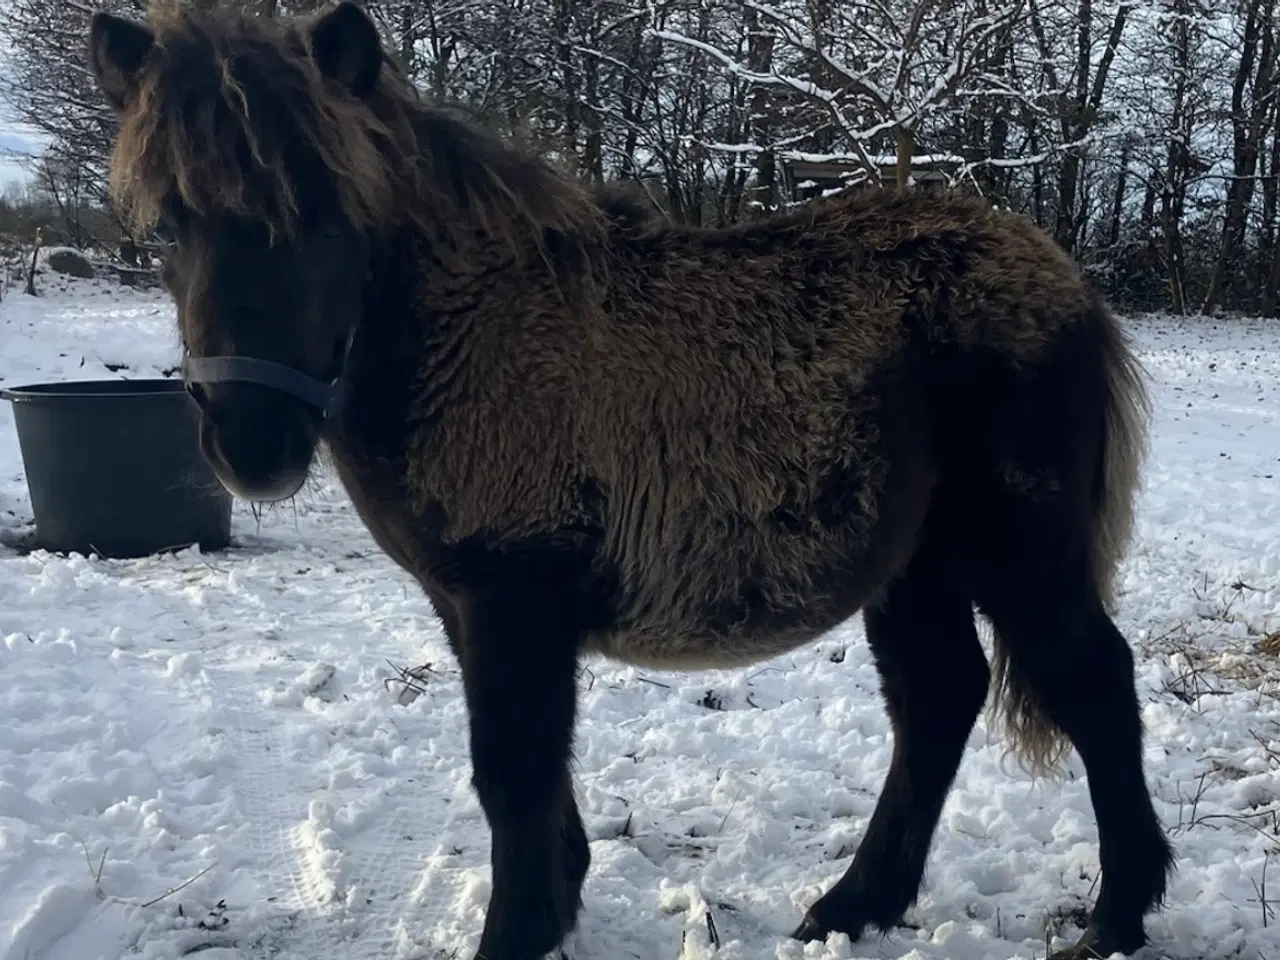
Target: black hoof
point(535, 931)
point(535, 914)
point(810, 930)
point(1100, 943)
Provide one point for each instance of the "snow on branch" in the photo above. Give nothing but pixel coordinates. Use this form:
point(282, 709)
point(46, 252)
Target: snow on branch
point(879, 71)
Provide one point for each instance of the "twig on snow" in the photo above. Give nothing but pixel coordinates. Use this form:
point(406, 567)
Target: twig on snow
point(96, 873)
point(182, 886)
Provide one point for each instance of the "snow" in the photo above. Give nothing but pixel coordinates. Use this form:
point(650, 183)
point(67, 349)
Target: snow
point(211, 754)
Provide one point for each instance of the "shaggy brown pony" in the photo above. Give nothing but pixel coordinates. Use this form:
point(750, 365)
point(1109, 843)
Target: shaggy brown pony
point(582, 429)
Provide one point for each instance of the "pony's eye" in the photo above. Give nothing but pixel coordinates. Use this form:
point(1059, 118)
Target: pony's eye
point(166, 228)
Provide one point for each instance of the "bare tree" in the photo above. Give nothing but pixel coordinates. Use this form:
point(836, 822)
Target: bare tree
point(1081, 113)
point(1142, 133)
point(877, 71)
point(1253, 90)
point(48, 85)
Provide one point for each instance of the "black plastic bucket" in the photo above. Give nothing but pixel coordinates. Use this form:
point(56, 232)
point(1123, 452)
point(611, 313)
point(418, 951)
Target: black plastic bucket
point(114, 468)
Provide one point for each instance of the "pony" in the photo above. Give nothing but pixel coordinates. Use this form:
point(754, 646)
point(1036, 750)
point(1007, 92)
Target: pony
point(585, 430)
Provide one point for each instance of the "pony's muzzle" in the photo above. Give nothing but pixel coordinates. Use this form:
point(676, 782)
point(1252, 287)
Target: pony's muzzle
point(259, 441)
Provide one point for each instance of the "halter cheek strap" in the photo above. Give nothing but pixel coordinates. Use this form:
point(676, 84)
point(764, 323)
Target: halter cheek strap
point(326, 397)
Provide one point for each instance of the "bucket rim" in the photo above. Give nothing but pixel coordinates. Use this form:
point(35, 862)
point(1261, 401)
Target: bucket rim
point(65, 391)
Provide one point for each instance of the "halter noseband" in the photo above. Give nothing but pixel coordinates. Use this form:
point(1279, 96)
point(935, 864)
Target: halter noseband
point(324, 396)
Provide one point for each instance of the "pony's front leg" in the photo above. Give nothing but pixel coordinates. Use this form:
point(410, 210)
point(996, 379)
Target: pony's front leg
point(518, 651)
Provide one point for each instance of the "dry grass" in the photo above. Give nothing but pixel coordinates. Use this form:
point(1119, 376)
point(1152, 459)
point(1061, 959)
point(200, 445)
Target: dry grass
point(1208, 654)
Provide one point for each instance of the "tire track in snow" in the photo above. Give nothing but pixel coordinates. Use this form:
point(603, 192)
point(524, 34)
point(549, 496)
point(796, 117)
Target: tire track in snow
point(273, 818)
point(406, 870)
point(407, 906)
point(382, 892)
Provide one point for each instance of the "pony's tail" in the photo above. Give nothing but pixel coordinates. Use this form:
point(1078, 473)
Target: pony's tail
point(1037, 741)
point(1127, 413)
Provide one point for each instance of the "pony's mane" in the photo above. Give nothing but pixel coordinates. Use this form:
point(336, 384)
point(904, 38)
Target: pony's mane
point(232, 115)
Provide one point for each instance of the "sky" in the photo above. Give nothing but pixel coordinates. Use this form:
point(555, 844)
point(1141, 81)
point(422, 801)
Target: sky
point(14, 138)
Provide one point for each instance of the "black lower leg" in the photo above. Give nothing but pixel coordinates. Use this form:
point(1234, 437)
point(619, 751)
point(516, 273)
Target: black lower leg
point(934, 678)
point(1069, 654)
point(518, 655)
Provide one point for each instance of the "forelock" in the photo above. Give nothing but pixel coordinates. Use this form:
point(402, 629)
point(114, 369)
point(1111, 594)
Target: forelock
point(233, 117)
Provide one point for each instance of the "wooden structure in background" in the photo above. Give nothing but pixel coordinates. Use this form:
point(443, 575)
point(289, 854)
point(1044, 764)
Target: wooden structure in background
point(806, 179)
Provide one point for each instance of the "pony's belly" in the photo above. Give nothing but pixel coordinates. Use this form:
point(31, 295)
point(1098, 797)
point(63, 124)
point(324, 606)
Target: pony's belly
point(691, 647)
point(741, 623)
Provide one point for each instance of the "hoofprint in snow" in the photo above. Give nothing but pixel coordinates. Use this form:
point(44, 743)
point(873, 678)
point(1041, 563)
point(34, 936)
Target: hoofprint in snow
point(214, 754)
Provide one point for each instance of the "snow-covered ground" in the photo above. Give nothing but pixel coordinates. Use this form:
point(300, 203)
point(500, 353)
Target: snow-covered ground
point(210, 754)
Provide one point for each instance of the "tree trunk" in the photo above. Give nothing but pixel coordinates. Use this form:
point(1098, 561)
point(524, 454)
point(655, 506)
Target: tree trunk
point(760, 125)
point(1177, 160)
point(1247, 128)
point(1078, 117)
point(562, 25)
point(1270, 229)
point(906, 152)
point(1117, 201)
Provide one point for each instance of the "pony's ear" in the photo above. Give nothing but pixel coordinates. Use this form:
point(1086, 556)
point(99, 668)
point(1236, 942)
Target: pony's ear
point(347, 48)
point(117, 48)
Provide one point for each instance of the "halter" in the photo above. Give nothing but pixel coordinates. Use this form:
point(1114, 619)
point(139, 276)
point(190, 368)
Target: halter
point(324, 396)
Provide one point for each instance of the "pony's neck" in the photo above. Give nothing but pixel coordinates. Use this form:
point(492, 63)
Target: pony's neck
point(383, 358)
point(486, 230)
point(473, 191)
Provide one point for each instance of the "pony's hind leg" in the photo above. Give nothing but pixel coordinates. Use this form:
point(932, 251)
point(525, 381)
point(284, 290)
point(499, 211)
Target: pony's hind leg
point(1068, 667)
point(934, 678)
